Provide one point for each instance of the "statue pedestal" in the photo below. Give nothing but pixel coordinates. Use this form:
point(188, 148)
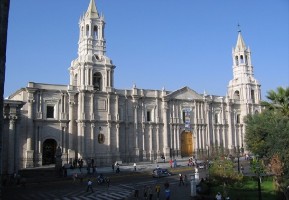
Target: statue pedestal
point(29, 158)
point(193, 186)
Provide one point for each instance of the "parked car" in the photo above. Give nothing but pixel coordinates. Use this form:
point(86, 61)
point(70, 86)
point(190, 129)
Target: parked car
point(201, 166)
point(159, 172)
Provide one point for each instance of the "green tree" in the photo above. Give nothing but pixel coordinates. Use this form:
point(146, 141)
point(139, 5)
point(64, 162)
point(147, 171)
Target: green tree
point(222, 171)
point(278, 100)
point(267, 134)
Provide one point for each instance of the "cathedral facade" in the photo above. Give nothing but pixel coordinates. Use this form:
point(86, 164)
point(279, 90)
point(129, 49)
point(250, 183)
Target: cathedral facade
point(90, 118)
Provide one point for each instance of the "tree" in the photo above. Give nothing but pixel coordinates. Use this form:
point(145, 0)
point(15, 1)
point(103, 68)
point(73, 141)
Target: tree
point(279, 100)
point(223, 171)
point(4, 13)
point(267, 134)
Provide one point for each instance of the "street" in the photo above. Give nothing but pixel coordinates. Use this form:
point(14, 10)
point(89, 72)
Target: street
point(122, 186)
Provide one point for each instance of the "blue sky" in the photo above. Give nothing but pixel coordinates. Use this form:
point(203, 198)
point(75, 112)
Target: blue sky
point(153, 43)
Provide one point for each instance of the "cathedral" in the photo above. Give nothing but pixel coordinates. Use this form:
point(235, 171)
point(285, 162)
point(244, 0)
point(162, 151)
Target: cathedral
point(91, 119)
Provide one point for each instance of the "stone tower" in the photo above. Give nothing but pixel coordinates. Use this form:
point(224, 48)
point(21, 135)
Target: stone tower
point(243, 87)
point(92, 70)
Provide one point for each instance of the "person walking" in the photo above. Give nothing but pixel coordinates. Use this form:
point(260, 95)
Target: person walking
point(181, 180)
point(171, 163)
point(150, 193)
point(158, 190)
point(134, 166)
point(186, 180)
point(112, 167)
point(136, 193)
point(74, 177)
point(107, 180)
point(167, 193)
point(89, 186)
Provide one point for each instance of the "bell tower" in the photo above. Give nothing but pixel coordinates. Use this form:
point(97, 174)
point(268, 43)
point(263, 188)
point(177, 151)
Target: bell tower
point(92, 70)
point(243, 88)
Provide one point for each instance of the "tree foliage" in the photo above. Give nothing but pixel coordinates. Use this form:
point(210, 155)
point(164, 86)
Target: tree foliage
point(267, 134)
point(278, 100)
point(223, 171)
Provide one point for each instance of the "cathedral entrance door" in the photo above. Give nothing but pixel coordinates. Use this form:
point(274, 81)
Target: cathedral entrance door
point(187, 144)
point(48, 153)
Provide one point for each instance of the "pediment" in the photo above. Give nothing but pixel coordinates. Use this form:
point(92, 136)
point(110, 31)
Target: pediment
point(184, 93)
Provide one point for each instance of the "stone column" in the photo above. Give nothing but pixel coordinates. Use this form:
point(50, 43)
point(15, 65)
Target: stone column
point(117, 142)
point(143, 143)
point(11, 145)
point(92, 139)
point(178, 140)
point(109, 137)
point(136, 131)
point(30, 130)
point(230, 128)
point(71, 133)
point(166, 147)
point(151, 142)
point(158, 140)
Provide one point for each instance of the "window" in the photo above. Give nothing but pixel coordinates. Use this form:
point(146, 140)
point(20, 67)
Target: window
point(184, 116)
point(87, 30)
point(97, 81)
point(148, 116)
point(241, 59)
point(237, 95)
point(238, 119)
point(100, 138)
point(253, 96)
point(95, 31)
point(216, 118)
point(75, 80)
point(236, 60)
point(50, 111)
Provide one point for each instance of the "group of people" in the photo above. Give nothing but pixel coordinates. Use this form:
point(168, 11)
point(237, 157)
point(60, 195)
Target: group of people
point(219, 197)
point(183, 180)
point(148, 191)
point(173, 163)
point(100, 177)
point(115, 165)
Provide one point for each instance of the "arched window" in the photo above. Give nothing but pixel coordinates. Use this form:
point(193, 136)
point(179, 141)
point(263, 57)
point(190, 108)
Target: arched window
point(97, 81)
point(241, 59)
point(95, 32)
point(253, 96)
point(87, 30)
point(238, 120)
point(75, 80)
point(237, 95)
point(236, 60)
point(101, 138)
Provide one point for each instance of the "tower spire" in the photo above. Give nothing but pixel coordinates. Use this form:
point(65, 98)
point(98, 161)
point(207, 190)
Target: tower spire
point(240, 46)
point(92, 11)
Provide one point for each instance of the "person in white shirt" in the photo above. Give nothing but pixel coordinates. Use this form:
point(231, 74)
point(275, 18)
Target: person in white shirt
point(89, 186)
point(134, 165)
point(219, 196)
